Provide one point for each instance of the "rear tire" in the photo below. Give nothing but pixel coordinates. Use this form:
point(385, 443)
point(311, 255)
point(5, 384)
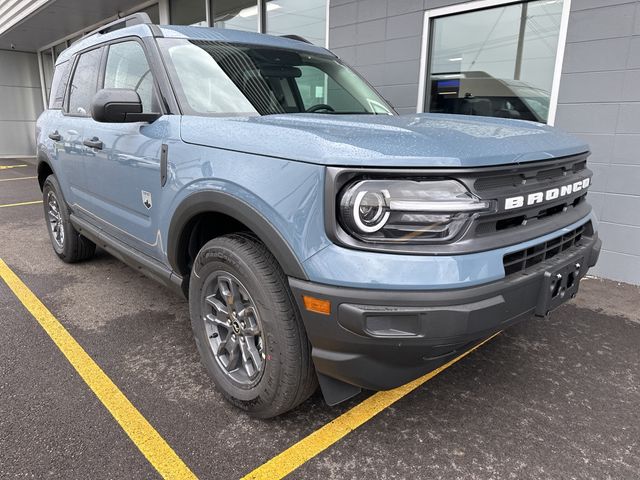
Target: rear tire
point(239, 301)
point(68, 244)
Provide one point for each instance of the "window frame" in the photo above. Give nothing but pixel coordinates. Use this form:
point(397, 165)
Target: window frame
point(160, 98)
point(74, 66)
point(477, 5)
point(154, 75)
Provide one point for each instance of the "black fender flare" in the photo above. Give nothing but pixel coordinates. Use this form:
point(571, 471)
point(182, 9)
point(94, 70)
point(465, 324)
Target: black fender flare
point(42, 159)
point(224, 203)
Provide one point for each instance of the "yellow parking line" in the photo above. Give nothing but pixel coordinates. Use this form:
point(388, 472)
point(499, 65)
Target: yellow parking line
point(5, 167)
point(286, 462)
point(139, 430)
point(17, 178)
point(21, 203)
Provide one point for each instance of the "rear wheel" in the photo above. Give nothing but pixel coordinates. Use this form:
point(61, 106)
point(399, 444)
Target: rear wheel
point(247, 327)
point(68, 244)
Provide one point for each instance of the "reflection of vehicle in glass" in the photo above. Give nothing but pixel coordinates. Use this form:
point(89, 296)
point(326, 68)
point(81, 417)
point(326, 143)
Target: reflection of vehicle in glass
point(319, 237)
point(478, 93)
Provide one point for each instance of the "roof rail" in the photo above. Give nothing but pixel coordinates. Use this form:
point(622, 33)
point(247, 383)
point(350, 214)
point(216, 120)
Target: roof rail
point(296, 37)
point(139, 18)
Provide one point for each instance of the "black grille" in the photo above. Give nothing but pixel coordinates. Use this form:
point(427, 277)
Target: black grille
point(526, 258)
point(515, 180)
point(527, 178)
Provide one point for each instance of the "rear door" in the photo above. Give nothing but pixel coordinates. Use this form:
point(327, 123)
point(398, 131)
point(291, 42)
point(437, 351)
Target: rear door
point(72, 153)
point(124, 173)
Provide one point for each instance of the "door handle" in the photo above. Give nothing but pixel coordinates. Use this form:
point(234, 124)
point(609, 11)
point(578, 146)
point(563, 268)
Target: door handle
point(93, 142)
point(55, 136)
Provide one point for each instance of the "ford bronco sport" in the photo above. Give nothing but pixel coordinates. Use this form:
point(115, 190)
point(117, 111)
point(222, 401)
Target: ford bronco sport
point(318, 236)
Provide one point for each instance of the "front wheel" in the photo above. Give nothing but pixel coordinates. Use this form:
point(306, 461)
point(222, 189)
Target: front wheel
point(247, 328)
point(68, 244)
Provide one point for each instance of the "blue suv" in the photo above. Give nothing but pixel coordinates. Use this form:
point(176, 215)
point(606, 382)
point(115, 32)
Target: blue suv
point(319, 237)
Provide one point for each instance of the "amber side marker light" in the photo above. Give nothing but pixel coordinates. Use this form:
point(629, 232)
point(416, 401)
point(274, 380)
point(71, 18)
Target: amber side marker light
point(317, 305)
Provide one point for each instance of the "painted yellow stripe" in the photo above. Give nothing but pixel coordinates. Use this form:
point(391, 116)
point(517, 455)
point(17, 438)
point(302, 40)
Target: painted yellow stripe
point(35, 202)
point(140, 431)
point(17, 178)
point(5, 167)
point(310, 446)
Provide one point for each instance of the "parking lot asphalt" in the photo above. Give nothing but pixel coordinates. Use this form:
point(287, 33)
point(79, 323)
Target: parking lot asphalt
point(548, 398)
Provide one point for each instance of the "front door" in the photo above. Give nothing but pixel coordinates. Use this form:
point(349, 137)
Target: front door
point(124, 175)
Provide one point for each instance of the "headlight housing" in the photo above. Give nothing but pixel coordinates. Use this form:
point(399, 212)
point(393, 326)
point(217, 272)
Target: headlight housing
point(407, 211)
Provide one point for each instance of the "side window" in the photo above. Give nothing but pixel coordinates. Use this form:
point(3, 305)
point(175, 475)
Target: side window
point(84, 83)
point(127, 67)
point(59, 85)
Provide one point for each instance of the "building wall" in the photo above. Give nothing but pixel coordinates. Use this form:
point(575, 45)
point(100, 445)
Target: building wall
point(600, 102)
point(21, 100)
point(599, 96)
point(382, 39)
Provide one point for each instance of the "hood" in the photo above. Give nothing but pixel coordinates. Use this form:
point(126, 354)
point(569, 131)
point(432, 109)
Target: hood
point(419, 140)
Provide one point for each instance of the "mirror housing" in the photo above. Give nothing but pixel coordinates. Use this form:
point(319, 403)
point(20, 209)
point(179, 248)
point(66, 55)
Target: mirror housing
point(119, 105)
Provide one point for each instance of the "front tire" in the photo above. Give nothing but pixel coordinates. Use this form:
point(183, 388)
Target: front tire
point(68, 244)
point(247, 327)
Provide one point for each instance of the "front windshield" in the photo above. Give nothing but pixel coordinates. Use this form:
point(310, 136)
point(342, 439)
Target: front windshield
point(219, 78)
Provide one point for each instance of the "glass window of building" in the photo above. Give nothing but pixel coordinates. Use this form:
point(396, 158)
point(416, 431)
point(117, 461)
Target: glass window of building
point(188, 12)
point(75, 39)
point(58, 49)
point(495, 62)
point(154, 13)
point(294, 17)
point(47, 69)
point(236, 14)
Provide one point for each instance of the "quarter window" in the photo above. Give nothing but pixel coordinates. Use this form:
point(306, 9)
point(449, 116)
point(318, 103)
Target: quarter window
point(127, 67)
point(84, 84)
point(59, 85)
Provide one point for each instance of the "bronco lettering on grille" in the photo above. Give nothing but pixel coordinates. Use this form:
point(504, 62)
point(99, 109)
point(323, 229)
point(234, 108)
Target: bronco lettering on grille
point(546, 195)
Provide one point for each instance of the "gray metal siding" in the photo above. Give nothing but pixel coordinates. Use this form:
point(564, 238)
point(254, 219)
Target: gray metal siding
point(21, 100)
point(381, 39)
point(599, 101)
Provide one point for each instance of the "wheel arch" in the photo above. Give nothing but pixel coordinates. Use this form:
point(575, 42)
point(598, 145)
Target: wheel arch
point(216, 202)
point(44, 169)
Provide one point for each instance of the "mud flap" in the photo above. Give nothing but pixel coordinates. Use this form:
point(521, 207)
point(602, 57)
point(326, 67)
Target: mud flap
point(335, 391)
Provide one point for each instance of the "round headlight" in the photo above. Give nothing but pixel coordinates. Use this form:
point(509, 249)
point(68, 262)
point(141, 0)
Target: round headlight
point(366, 211)
point(369, 210)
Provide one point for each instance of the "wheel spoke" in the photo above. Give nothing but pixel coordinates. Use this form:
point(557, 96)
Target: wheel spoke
point(225, 287)
point(246, 312)
point(253, 353)
point(251, 330)
point(220, 307)
point(233, 349)
point(237, 297)
point(221, 347)
point(247, 361)
point(216, 321)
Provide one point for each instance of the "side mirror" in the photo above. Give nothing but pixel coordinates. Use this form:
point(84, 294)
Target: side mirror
point(119, 105)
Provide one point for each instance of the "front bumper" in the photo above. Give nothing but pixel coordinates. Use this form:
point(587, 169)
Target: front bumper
point(380, 339)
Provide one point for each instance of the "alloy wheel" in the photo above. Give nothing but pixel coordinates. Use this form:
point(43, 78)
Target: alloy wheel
point(234, 329)
point(55, 219)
